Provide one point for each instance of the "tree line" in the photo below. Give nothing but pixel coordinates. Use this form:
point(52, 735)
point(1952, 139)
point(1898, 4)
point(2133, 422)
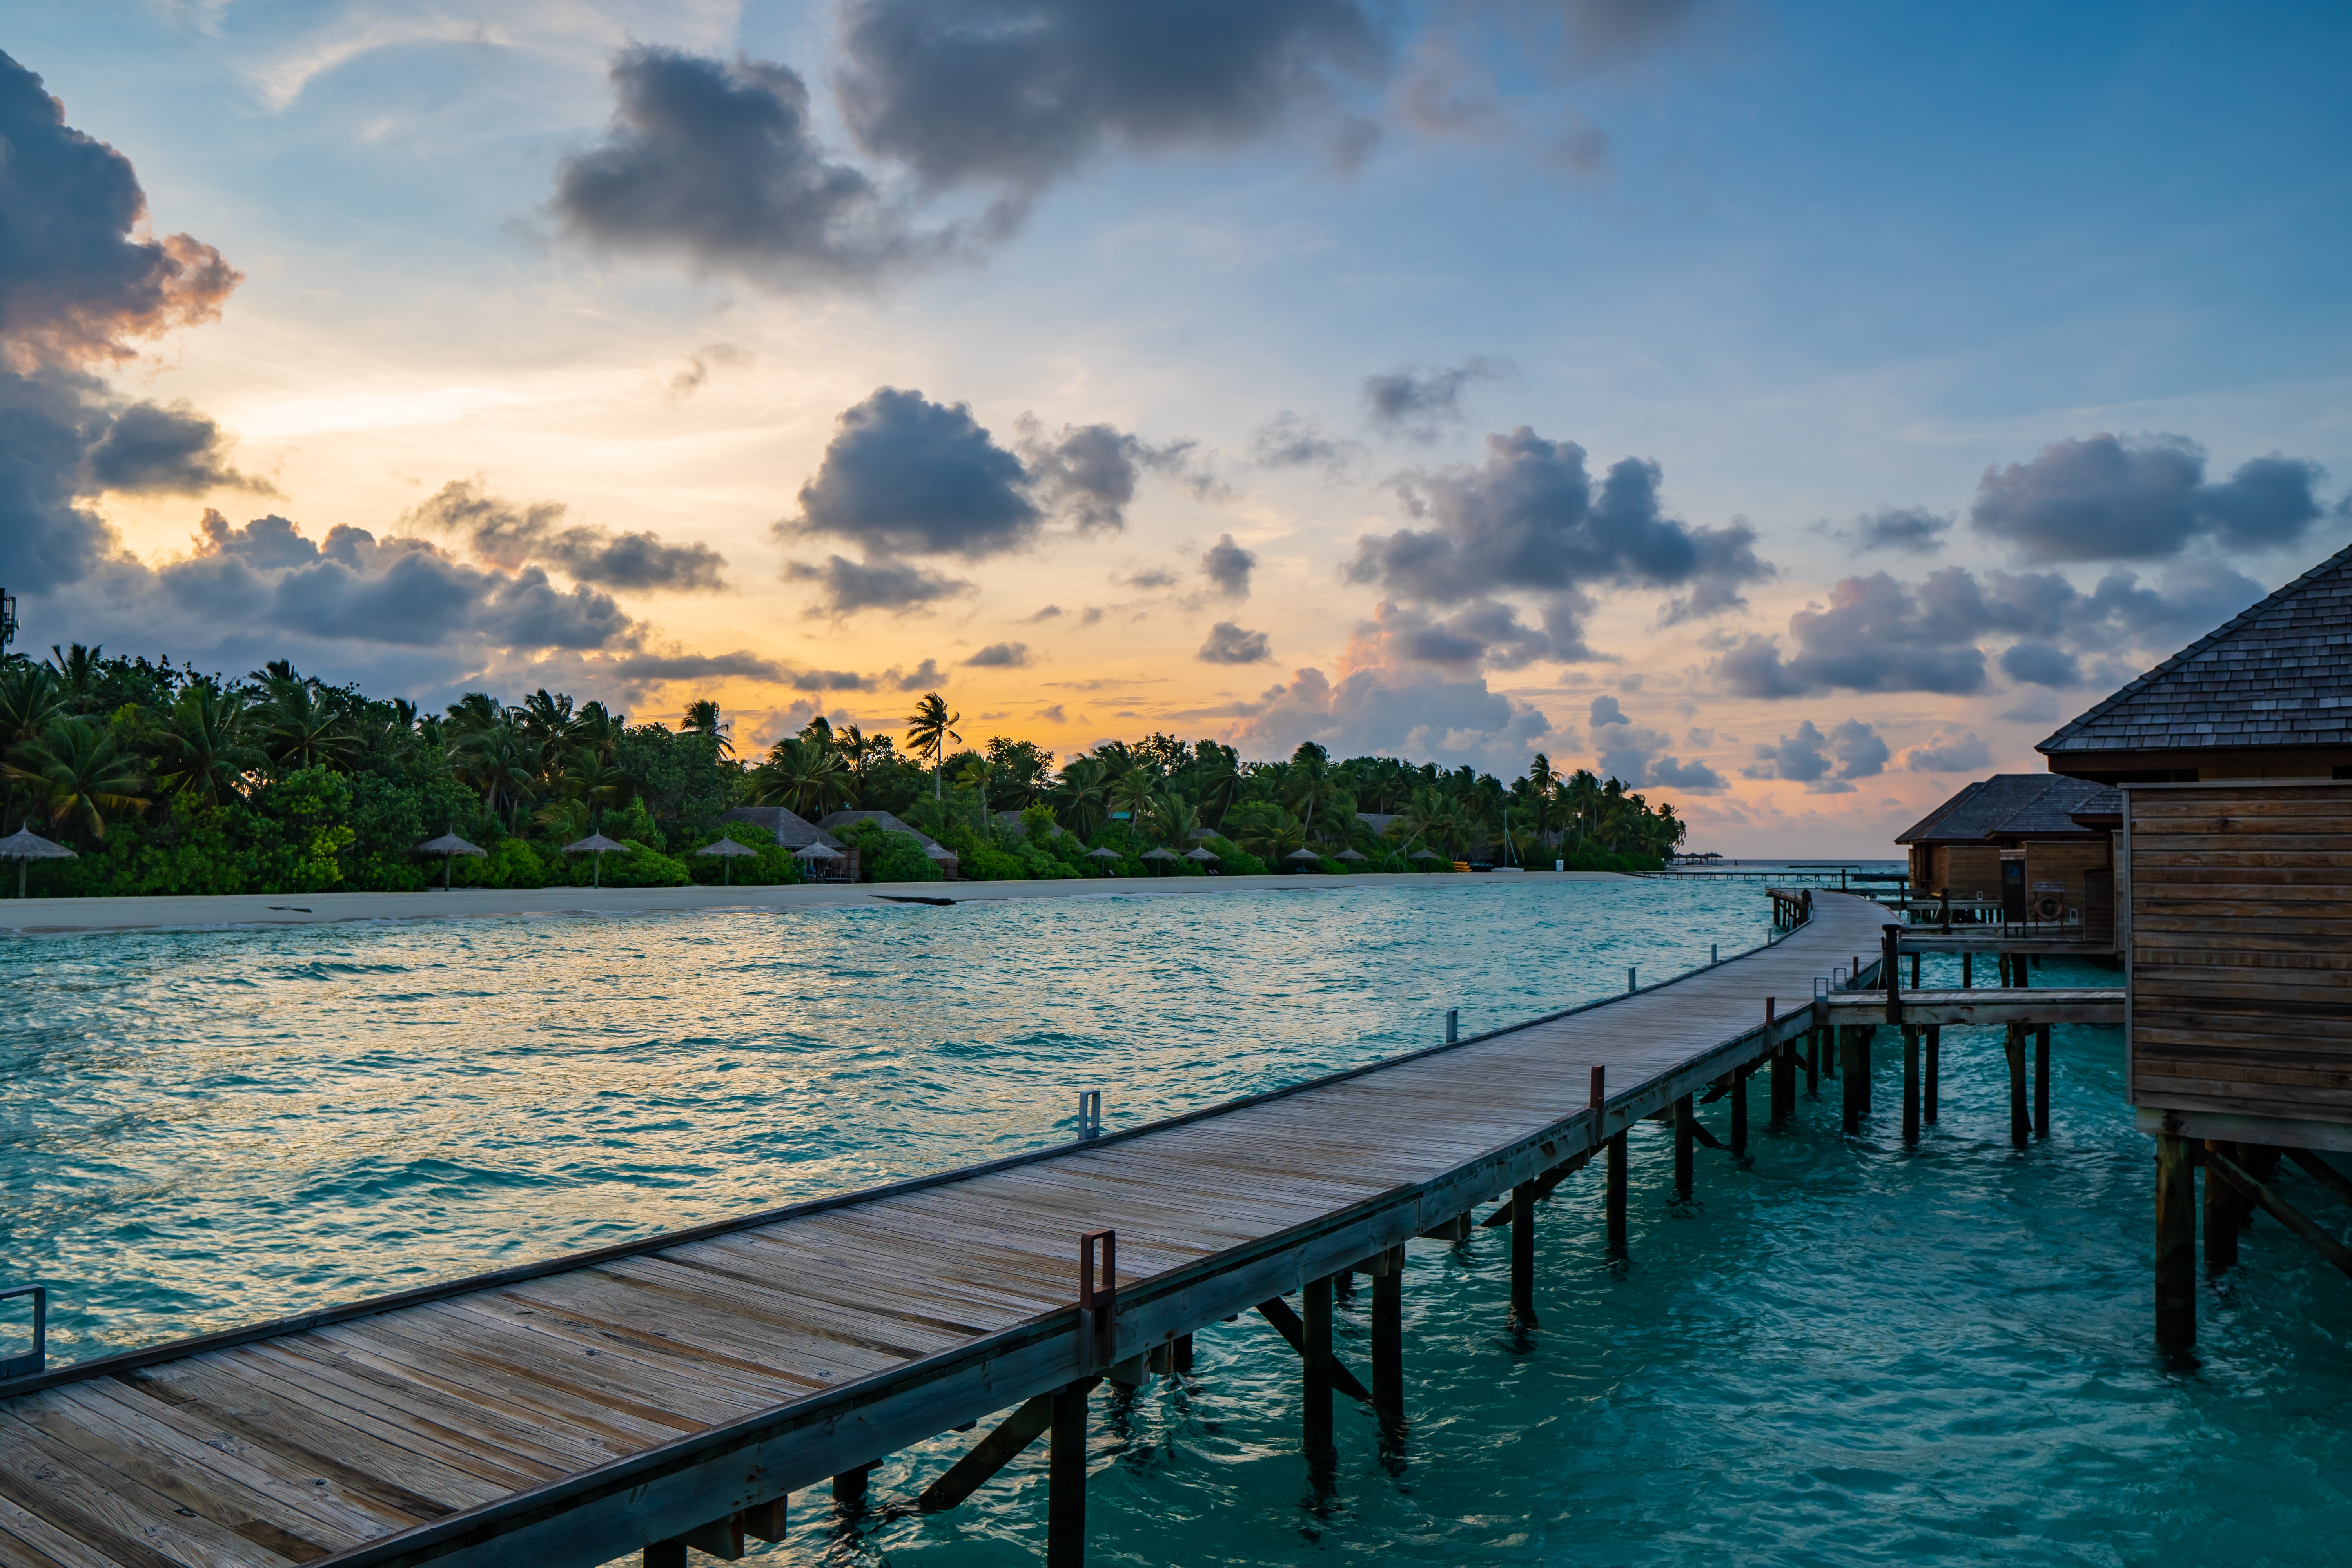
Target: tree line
point(166, 780)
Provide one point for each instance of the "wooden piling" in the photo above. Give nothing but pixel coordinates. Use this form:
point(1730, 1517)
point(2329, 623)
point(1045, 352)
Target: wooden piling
point(1179, 1356)
point(2018, 1121)
point(1315, 1359)
point(1910, 1084)
point(2222, 1206)
point(1914, 971)
point(1683, 1118)
point(2176, 1243)
point(1523, 1255)
point(2042, 1081)
point(1848, 1052)
point(1613, 1200)
point(849, 1489)
point(1967, 968)
point(1388, 1340)
point(1740, 1113)
point(1934, 1066)
point(1783, 1084)
point(1833, 1050)
point(1812, 1064)
point(1065, 1479)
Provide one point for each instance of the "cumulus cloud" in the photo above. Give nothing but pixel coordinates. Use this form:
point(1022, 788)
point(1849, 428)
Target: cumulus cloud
point(924, 674)
point(1227, 566)
point(1529, 521)
point(2039, 664)
point(718, 162)
point(1637, 757)
point(1391, 713)
point(2142, 499)
point(1014, 94)
point(1422, 403)
point(904, 476)
point(1913, 530)
point(1150, 580)
point(1950, 751)
point(1229, 644)
point(1001, 655)
point(1824, 764)
point(512, 536)
point(1290, 441)
point(150, 449)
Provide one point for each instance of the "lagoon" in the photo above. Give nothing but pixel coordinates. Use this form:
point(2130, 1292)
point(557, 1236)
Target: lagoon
point(1844, 1354)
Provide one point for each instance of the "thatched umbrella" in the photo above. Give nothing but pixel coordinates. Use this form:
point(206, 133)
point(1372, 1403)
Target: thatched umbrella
point(448, 847)
point(1105, 854)
point(1203, 855)
point(1302, 853)
point(25, 846)
point(1161, 855)
point(1351, 855)
point(599, 845)
point(1424, 855)
point(812, 853)
point(728, 852)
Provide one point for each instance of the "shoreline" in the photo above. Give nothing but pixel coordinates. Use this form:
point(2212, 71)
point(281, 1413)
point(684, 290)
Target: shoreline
point(225, 911)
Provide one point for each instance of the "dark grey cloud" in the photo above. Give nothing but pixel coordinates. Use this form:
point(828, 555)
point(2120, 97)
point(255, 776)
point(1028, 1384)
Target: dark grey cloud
point(845, 585)
point(2039, 664)
point(1637, 757)
point(1050, 613)
point(1151, 579)
point(717, 162)
point(1949, 753)
point(923, 675)
point(1001, 655)
point(76, 277)
point(1012, 93)
point(2142, 499)
point(1088, 473)
point(1388, 713)
point(513, 536)
point(1912, 530)
point(1824, 764)
point(1229, 644)
point(1529, 521)
point(150, 450)
point(1227, 566)
point(1422, 403)
point(1288, 441)
point(1873, 636)
point(712, 667)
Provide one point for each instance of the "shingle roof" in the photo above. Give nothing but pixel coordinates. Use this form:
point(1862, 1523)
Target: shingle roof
point(2003, 806)
point(2278, 675)
point(792, 830)
point(887, 822)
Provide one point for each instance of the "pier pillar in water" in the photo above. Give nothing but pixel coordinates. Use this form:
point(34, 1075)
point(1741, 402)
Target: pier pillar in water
point(1523, 1255)
point(1683, 1149)
point(1315, 1357)
point(1967, 970)
point(1856, 1079)
point(2042, 1081)
point(2176, 1246)
point(1783, 1084)
point(1388, 1340)
point(1066, 1478)
point(849, 1489)
point(1935, 1064)
point(2019, 1123)
point(1812, 1064)
point(2222, 1205)
point(1613, 1199)
point(1910, 1084)
point(1740, 1113)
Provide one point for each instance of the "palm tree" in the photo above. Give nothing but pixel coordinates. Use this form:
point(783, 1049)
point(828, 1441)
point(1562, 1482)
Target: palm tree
point(1266, 830)
point(1082, 798)
point(302, 727)
point(1135, 792)
point(800, 778)
point(702, 718)
point(547, 719)
point(205, 750)
point(475, 710)
point(597, 732)
point(929, 729)
point(77, 669)
point(1308, 783)
point(1176, 818)
point(1216, 773)
point(82, 773)
point(596, 783)
point(975, 772)
point(502, 762)
point(30, 700)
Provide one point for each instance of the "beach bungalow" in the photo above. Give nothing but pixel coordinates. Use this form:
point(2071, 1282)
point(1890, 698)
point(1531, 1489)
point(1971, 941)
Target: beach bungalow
point(795, 832)
point(943, 857)
point(2015, 839)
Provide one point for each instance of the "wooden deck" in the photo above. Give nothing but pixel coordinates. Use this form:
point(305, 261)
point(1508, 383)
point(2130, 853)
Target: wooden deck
point(573, 1411)
point(1984, 1004)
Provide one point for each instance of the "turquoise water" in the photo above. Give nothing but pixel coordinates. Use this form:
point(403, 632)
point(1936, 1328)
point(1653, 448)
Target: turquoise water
point(1843, 1353)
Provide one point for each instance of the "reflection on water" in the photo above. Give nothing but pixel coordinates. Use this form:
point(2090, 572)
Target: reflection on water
point(1844, 1353)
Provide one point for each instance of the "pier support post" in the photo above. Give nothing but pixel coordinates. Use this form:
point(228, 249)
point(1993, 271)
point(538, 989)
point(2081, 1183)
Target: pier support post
point(1315, 1355)
point(1783, 1084)
point(1968, 969)
point(2042, 1081)
point(1683, 1149)
point(1614, 1196)
point(1179, 1356)
point(2018, 1121)
point(1388, 1340)
point(849, 1489)
point(1934, 1069)
point(1856, 1079)
point(1740, 1113)
point(1812, 1064)
point(1910, 1084)
point(2222, 1205)
point(2176, 1246)
point(1066, 1478)
point(1523, 1255)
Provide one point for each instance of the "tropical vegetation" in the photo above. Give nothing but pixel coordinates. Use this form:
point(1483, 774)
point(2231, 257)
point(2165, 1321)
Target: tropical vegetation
point(164, 780)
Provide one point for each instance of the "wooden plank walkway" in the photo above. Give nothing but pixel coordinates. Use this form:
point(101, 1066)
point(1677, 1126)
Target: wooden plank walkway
point(572, 1411)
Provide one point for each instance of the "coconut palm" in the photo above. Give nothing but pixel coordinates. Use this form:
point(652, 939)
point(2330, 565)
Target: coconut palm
point(205, 751)
point(502, 763)
point(77, 669)
point(800, 778)
point(597, 732)
point(975, 773)
point(702, 718)
point(1135, 792)
point(80, 773)
point(548, 720)
point(475, 710)
point(1082, 798)
point(1217, 777)
point(303, 727)
point(1265, 829)
point(929, 729)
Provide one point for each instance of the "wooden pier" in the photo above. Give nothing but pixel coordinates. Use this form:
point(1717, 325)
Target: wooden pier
point(672, 1392)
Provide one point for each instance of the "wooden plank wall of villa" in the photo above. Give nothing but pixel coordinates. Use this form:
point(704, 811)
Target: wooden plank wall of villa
point(571, 1412)
point(2240, 937)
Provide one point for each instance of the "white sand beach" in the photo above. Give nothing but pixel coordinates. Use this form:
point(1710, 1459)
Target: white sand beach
point(34, 917)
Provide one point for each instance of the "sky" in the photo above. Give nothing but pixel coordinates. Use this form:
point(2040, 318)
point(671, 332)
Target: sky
point(1794, 410)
